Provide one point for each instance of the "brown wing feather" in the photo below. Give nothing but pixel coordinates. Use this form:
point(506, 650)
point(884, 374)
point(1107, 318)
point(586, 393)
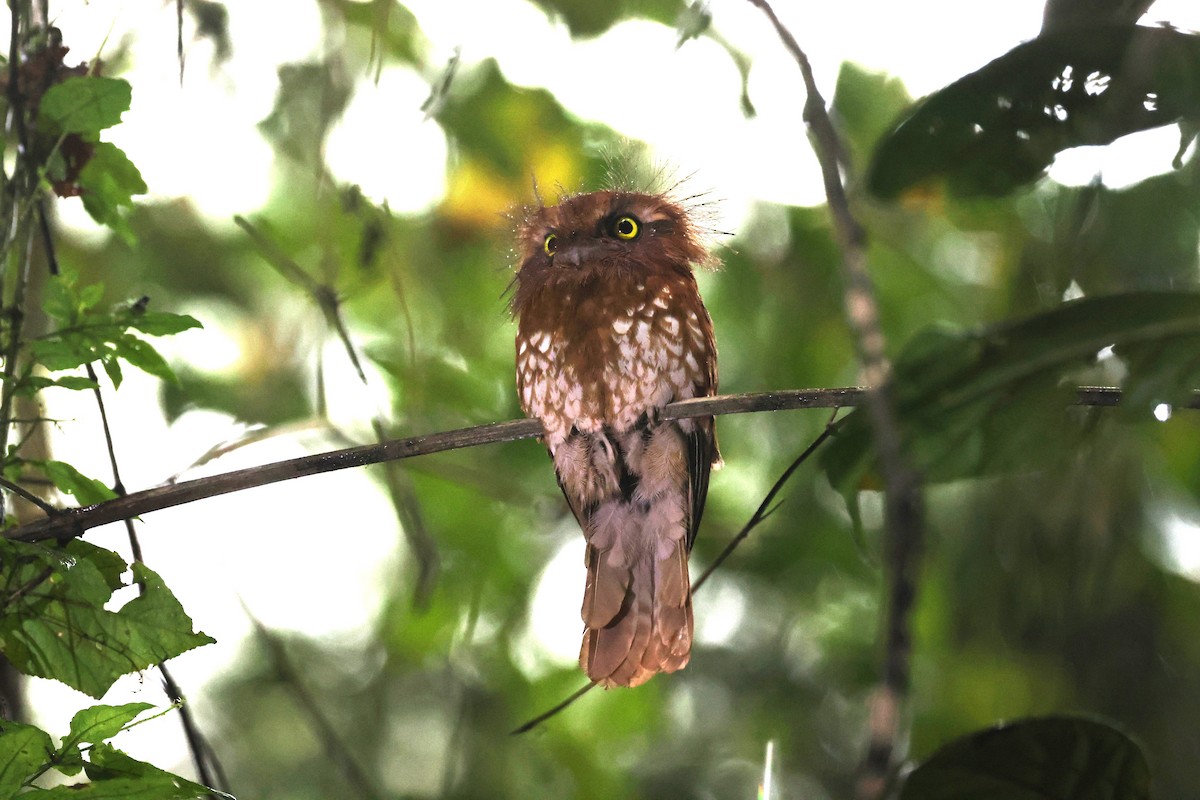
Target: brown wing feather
point(701, 447)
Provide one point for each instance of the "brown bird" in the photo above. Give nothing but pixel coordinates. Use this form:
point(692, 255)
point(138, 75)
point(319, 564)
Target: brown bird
point(611, 329)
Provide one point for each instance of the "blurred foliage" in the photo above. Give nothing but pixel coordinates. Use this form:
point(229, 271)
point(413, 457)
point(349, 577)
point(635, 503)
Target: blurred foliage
point(1000, 127)
point(997, 398)
point(1024, 761)
point(1048, 587)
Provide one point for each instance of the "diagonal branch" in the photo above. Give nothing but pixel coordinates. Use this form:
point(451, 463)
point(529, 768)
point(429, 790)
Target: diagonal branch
point(903, 511)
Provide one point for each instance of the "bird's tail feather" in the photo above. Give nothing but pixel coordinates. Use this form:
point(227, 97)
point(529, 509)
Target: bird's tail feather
point(638, 617)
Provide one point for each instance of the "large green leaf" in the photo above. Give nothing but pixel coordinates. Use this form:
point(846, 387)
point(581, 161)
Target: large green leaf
point(999, 127)
point(54, 623)
point(115, 775)
point(23, 750)
point(968, 401)
point(97, 723)
point(1034, 759)
point(85, 104)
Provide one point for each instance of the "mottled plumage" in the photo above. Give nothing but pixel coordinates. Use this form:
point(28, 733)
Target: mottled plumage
point(611, 329)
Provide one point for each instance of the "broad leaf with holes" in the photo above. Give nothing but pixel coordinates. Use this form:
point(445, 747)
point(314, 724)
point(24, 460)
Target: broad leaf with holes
point(1001, 126)
point(54, 622)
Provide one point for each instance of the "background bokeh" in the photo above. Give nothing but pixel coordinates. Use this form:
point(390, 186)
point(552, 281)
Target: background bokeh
point(428, 609)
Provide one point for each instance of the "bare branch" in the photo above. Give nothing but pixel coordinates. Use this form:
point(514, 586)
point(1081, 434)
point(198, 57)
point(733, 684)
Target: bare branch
point(25, 494)
point(72, 522)
point(903, 511)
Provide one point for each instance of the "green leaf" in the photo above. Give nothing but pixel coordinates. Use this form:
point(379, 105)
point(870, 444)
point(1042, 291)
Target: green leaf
point(115, 775)
point(66, 478)
point(24, 750)
point(693, 20)
point(157, 621)
point(971, 401)
point(161, 323)
point(111, 566)
point(390, 24)
point(90, 295)
point(1001, 126)
point(58, 300)
point(58, 626)
point(142, 355)
point(85, 104)
point(99, 723)
point(588, 18)
point(109, 182)
point(75, 382)
point(1036, 759)
point(57, 354)
point(32, 384)
point(112, 368)
point(69, 759)
point(867, 104)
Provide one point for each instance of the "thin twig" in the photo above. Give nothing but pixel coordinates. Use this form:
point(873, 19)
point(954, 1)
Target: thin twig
point(179, 37)
point(20, 186)
point(540, 718)
point(74, 521)
point(765, 509)
point(282, 262)
point(330, 739)
point(400, 490)
point(208, 766)
point(903, 511)
point(28, 586)
point(202, 753)
point(760, 514)
point(25, 494)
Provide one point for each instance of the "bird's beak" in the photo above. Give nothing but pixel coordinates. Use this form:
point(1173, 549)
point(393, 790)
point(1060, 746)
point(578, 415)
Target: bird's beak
point(576, 254)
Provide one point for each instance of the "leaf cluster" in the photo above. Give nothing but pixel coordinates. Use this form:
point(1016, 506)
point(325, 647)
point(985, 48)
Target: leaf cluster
point(85, 334)
point(70, 117)
point(28, 754)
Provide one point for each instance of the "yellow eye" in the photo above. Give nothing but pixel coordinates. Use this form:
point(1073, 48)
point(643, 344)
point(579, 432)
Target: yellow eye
point(551, 244)
point(626, 228)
